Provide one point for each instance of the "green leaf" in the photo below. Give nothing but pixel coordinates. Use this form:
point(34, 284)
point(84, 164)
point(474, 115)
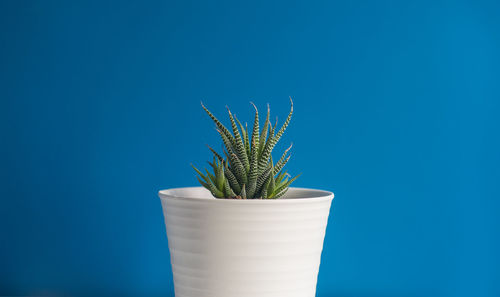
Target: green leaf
point(219, 178)
point(213, 165)
point(238, 143)
point(285, 124)
point(229, 193)
point(261, 180)
point(215, 153)
point(286, 184)
point(280, 194)
point(254, 172)
point(255, 131)
point(266, 153)
point(272, 185)
point(265, 193)
point(280, 177)
point(219, 125)
point(233, 181)
point(211, 176)
point(243, 193)
point(211, 187)
point(200, 173)
point(239, 170)
point(204, 184)
point(282, 161)
point(273, 139)
point(216, 192)
point(244, 135)
point(247, 142)
point(263, 135)
point(226, 141)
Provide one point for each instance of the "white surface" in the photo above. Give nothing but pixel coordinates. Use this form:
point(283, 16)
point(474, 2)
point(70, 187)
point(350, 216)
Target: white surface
point(245, 248)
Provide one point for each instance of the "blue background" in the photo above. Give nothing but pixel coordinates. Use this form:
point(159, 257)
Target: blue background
point(397, 112)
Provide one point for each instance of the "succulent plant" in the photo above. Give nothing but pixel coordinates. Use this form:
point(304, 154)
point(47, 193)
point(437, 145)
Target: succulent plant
point(247, 170)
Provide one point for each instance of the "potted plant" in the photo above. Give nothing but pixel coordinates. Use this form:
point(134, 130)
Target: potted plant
point(245, 232)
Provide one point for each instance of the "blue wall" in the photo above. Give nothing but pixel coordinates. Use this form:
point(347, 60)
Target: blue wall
point(397, 112)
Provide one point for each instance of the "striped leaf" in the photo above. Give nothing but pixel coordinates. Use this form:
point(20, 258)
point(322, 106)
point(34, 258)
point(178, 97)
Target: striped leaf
point(243, 193)
point(264, 194)
point(228, 191)
point(218, 124)
point(280, 194)
point(263, 178)
point(239, 170)
point(244, 135)
point(219, 177)
point(285, 124)
point(254, 172)
point(219, 157)
point(280, 166)
point(268, 148)
point(226, 141)
point(200, 173)
point(286, 184)
point(263, 135)
point(231, 178)
point(282, 161)
point(239, 146)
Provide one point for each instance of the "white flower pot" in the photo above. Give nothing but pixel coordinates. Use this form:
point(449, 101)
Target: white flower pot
point(245, 248)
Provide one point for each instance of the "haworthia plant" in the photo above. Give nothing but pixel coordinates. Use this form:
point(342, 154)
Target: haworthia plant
point(245, 169)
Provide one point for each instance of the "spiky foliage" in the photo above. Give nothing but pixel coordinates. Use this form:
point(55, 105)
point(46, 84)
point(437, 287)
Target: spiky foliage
point(246, 170)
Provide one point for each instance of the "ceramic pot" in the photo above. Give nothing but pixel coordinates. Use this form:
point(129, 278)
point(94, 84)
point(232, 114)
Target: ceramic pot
point(245, 248)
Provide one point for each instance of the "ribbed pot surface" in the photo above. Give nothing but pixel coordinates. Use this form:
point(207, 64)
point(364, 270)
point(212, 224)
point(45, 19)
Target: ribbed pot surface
point(245, 248)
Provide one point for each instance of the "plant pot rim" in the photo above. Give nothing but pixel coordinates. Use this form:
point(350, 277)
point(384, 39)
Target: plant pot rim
point(294, 195)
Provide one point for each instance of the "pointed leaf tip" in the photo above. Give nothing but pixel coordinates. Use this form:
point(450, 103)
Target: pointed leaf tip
point(254, 106)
